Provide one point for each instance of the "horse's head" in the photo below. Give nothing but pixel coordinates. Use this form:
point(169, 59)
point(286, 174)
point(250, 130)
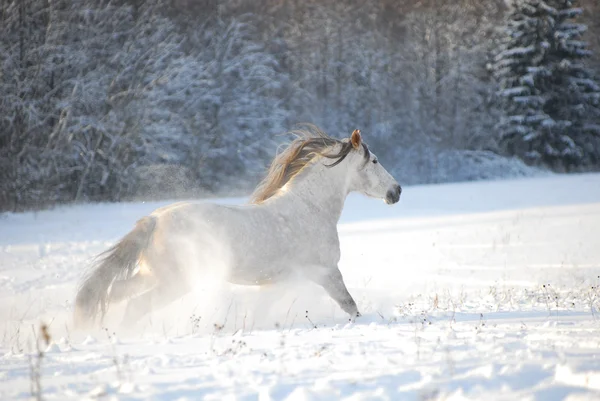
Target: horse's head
point(368, 176)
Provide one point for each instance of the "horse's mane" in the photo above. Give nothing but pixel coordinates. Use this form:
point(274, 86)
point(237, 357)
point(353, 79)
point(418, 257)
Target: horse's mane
point(309, 144)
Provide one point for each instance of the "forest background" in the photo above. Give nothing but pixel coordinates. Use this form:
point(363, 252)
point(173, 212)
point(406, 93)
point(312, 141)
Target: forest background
point(116, 100)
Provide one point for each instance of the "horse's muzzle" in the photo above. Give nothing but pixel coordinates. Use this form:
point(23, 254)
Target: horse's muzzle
point(393, 195)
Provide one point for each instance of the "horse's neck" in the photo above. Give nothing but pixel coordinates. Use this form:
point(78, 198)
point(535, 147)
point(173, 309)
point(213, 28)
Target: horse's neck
point(320, 189)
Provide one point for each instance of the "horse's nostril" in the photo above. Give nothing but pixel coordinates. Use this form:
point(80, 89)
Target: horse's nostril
point(393, 195)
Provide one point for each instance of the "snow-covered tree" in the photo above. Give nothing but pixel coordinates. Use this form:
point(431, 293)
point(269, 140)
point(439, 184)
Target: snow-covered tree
point(29, 87)
point(575, 100)
point(240, 102)
point(518, 68)
point(107, 99)
point(549, 99)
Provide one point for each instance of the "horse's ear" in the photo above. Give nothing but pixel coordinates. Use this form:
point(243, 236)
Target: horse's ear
point(356, 139)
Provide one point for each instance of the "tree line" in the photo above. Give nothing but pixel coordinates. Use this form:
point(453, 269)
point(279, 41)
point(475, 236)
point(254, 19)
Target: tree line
point(105, 100)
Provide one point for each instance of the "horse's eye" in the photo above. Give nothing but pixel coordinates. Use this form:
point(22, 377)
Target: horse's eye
point(375, 161)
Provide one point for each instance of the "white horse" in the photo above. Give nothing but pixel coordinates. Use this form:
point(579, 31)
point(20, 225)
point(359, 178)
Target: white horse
point(288, 229)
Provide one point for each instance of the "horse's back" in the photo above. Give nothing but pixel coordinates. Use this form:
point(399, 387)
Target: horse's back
point(206, 235)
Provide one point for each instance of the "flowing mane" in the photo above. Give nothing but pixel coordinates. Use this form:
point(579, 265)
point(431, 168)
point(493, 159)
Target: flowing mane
point(309, 144)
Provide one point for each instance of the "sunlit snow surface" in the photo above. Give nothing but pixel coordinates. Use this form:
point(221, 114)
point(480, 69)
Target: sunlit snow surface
point(482, 291)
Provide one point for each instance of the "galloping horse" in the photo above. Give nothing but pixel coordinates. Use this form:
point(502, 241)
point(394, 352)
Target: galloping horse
point(288, 229)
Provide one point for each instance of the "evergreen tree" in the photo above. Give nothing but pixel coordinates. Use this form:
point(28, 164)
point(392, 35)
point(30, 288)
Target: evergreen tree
point(575, 100)
point(549, 98)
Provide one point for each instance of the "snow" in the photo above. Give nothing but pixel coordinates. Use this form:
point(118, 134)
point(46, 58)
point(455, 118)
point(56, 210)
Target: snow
point(470, 291)
point(518, 90)
point(517, 51)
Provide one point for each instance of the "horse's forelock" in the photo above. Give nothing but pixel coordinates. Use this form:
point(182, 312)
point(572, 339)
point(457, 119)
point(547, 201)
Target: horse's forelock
point(309, 144)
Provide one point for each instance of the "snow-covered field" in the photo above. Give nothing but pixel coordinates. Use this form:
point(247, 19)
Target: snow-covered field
point(479, 291)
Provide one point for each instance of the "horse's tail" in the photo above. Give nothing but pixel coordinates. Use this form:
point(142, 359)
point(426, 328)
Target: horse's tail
point(117, 263)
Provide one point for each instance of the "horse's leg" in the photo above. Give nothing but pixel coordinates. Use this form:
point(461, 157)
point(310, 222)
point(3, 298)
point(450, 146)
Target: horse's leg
point(132, 287)
point(161, 295)
point(332, 281)
point(156, 298)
